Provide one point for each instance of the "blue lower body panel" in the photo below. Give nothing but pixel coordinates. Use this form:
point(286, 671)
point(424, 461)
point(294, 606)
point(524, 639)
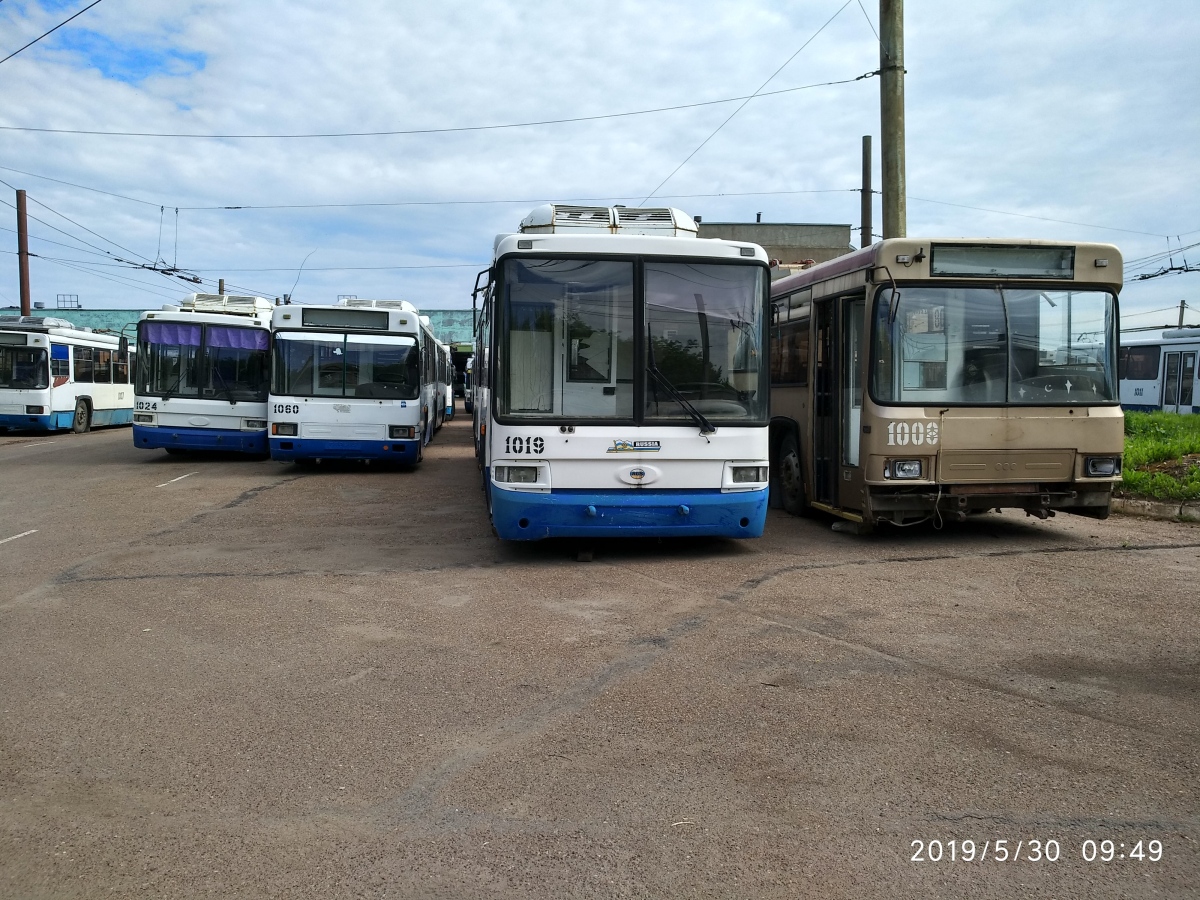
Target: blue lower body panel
point(34, 423)
point(102, 417)
point(150, 437)
point(526, 516)
point(297, 448)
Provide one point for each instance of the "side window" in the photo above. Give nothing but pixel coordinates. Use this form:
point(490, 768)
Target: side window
point(102, 371)
point(121, 367)
point(83, 364)
point(60, 363)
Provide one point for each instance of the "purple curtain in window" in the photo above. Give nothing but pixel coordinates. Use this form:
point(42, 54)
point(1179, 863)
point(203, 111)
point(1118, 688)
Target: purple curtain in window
point(237, 338)
point(171, 333)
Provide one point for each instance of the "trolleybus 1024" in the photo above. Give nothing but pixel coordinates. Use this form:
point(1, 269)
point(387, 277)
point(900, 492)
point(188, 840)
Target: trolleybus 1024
point(350, 381)
point(55, 376)
point(204, 369)
point(1158, 370)
point(922, 378)
point(620, 387)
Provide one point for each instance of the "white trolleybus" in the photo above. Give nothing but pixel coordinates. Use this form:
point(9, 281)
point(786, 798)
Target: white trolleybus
point(55, 376)
point(203, 373)
point(619, 381)
point(1158, 370)
point(350, 382)
point(932, 379)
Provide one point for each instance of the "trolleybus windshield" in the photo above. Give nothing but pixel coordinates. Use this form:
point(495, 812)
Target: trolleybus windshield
point(23, 368)
point(569, 332)
point(311, 364)
point(184, 359)
point(991, 346)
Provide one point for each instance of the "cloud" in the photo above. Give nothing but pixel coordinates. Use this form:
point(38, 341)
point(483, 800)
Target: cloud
point(1066, 111)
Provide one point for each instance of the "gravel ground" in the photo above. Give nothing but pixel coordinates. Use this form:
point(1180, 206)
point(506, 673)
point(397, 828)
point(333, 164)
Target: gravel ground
point(236, 678)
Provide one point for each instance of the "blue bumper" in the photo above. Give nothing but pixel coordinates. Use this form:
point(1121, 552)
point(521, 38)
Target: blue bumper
point(37, 423)
point(149, 437)
point(525, 516)
point(296, 448)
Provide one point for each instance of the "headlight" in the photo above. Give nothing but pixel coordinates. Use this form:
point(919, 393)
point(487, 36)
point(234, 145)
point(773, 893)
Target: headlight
point(144, 418)
point(254, 424)
point(1102, 466)
point(903, 468)
point(35, 410)
point(749, 474)
point(516, 474)
point(287, 429)
point(407, 432)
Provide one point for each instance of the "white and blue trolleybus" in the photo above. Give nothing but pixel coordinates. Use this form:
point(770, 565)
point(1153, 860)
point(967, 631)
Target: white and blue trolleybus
point(203, 373)
point(620, 383)
point(348, 382)
point(55, 376)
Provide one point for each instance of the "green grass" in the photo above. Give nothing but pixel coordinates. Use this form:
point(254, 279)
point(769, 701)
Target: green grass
point(1158, 437)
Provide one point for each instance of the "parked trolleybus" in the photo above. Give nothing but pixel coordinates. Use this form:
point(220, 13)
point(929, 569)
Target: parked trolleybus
point(937, 378)
point(55, 376)
point(620, 385)
point(1158, 370)
point(446, 381)
point(349, 382)
point(203, 373)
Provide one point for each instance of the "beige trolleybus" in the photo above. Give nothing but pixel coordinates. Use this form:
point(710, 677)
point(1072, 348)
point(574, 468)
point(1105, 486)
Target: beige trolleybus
point(931, 379)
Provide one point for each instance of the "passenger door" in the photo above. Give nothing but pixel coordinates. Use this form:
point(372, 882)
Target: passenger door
point(1170, 398)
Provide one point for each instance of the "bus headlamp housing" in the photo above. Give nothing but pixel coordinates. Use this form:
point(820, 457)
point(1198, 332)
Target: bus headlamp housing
point(284, 429)
point(402, 432)
point(745, 475)
point(35, 410)
point(903, 469)
point(521, 477)
point(144, 418)
point(254, 424)
point(1102, 466)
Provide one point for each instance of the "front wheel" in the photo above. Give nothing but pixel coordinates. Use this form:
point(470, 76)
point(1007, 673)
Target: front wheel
point(83, 417)
point(791, 477)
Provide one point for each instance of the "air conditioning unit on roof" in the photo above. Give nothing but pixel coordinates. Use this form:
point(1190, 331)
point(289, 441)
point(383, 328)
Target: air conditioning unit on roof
point(558, 218)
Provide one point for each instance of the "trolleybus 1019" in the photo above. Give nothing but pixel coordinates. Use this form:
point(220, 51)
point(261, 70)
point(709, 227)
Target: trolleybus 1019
point(937, 378)
point(204, 369)
point(349, 382)
point(55, 376)
point(1158, 370)
point(620, 387)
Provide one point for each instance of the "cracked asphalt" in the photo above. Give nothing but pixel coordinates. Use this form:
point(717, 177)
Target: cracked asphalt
point(236, 678)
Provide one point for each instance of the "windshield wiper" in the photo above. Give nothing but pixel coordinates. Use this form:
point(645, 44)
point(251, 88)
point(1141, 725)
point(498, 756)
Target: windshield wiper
point(705, 426)
point(228, 390)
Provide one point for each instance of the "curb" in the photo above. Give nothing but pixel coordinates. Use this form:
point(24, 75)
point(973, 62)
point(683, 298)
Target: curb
point(1188, 511)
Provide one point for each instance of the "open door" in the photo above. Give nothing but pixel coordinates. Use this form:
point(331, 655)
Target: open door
point(825, 413)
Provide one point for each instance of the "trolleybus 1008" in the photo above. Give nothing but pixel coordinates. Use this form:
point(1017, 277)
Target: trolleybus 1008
point(1158, 370)
point(350, 382)
point(55, 376)
point(937, 378)
point(203, 373)
point(620, 387)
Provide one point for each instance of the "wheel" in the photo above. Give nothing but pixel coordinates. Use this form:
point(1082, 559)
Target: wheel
point(791, 477)
point(83, 417)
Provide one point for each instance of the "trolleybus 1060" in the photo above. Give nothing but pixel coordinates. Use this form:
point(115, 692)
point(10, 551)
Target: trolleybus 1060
point(203, 374)
point(349, 382)
point(620, 387)
point(1158, 370)
point(55, 376)
point(922, 378)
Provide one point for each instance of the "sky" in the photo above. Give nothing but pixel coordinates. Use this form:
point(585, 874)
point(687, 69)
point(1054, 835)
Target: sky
point(1048, 119)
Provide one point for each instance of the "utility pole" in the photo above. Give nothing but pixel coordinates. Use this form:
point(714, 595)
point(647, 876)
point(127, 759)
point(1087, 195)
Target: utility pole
point(220, 285)
point(866, 192)
point(23, 252)
point(891, 113)
point(1182, 307)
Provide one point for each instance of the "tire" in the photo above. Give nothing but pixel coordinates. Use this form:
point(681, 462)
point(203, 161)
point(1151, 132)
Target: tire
point(791, 477)
point(82, 423)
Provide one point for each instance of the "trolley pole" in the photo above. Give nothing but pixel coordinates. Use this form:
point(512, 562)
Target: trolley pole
point(866, 192)
point(23, 252)
point(891, 113)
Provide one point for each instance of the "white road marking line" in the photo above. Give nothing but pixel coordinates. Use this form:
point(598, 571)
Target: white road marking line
point(22, 534)
point(180, 478)
point(40, 444)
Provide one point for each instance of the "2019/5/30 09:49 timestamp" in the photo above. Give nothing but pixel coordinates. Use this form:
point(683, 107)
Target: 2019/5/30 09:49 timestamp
point(1032, 850)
